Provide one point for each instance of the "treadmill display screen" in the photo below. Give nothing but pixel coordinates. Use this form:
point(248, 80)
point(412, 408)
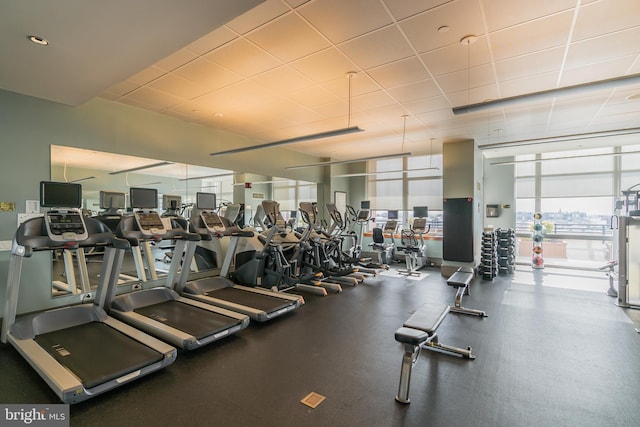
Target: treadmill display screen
point(60, 195)
point(206, 201)
point(392, 214)
point(143, 198)
point(65, 223)
point(419, 224)
point(112, 200)
point(420, 212)
point(363, 215)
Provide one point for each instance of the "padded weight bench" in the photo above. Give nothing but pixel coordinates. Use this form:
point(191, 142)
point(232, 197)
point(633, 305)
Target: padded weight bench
point(419, 331)
point(461, 280)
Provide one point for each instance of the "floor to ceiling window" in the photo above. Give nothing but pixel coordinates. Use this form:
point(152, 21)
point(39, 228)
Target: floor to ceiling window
point(576, 193)
point(400, 184)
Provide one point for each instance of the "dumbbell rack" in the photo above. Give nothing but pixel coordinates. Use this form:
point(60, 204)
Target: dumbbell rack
point(489, 256)
point(537, 260)
point(506, 250)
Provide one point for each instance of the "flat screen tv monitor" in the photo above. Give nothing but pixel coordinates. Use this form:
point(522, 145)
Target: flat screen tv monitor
point(206, 201)
point(392, 214)
point(60, 195)
point(143, 198)
point(365, 204)
point(420, 211)
point(112, 200)
point(170, 201)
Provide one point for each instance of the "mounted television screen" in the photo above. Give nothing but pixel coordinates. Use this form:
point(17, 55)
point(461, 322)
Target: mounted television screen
point(420, 211)
point(143, 198)
point(170, 201)
point(365, 204)
point(111, 200)
point(60, 195)
point(392, 214)
point(206, 201)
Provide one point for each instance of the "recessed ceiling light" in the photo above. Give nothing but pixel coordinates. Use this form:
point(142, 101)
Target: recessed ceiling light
point(443, 29)
point(38, 40)
point(218, 115)
point(634, 97)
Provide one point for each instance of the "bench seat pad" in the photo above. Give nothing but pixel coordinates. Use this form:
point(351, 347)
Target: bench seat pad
point(428, 317)
point(411, 336)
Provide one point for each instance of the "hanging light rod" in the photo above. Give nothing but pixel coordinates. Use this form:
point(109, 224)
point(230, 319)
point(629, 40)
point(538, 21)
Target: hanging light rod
point(220, 175)
point(551, 93)
point(340, 162)
point(321, 135)
point(139, 168)
point(86, 178)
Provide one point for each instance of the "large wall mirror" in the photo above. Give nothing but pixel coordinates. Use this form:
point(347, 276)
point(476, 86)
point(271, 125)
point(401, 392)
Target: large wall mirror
point(115, 173)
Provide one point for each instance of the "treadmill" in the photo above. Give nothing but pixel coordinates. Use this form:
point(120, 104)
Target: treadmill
point(161, 311)
point(259, 304)
point(78, 350)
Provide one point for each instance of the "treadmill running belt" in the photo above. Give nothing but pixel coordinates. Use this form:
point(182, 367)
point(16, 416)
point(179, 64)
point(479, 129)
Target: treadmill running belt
point(96, 353)
point(187, 318)
point(266, 303)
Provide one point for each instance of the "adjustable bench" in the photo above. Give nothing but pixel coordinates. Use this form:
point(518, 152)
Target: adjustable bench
point(461, 280)
point(419, 331)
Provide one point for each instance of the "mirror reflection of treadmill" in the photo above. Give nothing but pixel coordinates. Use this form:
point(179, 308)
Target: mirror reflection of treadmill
point(78, 350)
point(259, 304)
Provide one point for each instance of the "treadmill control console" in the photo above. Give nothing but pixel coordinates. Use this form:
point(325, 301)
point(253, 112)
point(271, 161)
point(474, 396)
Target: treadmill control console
point(149, 223)
point(390, 226)
point(419, 225)
point(65, 226)
point(212, 221)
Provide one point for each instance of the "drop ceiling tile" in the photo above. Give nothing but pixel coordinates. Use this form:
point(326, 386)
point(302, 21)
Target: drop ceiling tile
point(243, 57)
point(606, 16)
point(288, 38)
point(120, 89)
point(213, 40)
point(208, 74)
point(360, 84)
point(475, 95)
point(341, 20)
point(313, 96)
point(151, 97)
point(455, 57)
point(372, 101)
point(146, 75)
point(506, 13)
point(296, 3)
point(541, 62)
point(257, 16)
point(463, 17)
point(415, 91)
point(604, 48)
point(176, 60)
point(599, 71)
point(325, 65)
point(462, 80)
point(377, 48)
point(426, 105)
point(399, 73)
point(283, 80)
point(529, 84)
point(178, 86)
point(532, 36)
point(404, 9)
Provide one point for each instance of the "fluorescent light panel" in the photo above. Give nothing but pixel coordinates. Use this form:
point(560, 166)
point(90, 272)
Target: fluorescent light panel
point(86, 178)
point(207, 176)
point(328, 134)
point(551, 93)
point(341, 162)
point(139, 168)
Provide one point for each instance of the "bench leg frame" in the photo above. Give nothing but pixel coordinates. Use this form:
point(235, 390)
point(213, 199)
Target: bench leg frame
point(458, 308)
point(409, 358)
point(433, 344)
